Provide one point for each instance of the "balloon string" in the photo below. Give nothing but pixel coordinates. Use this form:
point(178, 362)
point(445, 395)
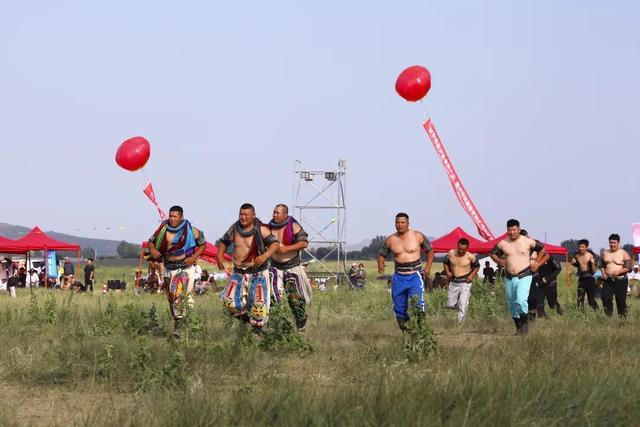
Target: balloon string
point(144, 174)
point(424, 110)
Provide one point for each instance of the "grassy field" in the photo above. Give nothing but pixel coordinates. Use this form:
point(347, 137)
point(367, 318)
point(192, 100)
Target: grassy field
point(82, 359)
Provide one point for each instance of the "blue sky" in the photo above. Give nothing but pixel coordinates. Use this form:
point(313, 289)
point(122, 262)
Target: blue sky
point(534, 100)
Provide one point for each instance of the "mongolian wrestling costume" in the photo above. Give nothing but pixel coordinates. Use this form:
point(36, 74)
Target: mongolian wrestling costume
point(406, 283)
point(179, 278)
point(460, 290)
point(288, 277)
point(586, 283)
point(544, 286)
point(247, 295)
point(615, 286)
point(516, 289)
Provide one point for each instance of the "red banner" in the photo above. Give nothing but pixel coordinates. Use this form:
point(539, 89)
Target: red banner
point(456, 183)
point(148, 191)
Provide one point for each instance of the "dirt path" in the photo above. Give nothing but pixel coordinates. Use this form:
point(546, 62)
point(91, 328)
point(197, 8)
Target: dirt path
point(50, 406)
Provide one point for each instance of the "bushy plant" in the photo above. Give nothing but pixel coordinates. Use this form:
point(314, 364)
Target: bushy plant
point(419, 339)
point(280, 336)
point(49, 309)
point(107, 321)
point(34, 310)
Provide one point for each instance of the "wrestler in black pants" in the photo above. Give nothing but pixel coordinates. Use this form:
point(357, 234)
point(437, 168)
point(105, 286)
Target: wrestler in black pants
point(615, 287)
point(587, 285)
point(551, 294)
point(538, 292)
point(535, 300)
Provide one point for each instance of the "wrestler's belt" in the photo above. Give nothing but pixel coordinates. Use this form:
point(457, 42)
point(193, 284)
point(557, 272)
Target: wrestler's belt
point(460, 279)
point(524, 273)
point(285, 265)
point(251, 270)
point(614, 278)
point(175, 265)
point(584, 274)
point(408, 267)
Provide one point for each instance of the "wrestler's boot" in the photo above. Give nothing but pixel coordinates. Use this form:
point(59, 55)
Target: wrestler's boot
point(296, 303)
point(524, 327)
point(580, 298)
point(421, 318)
point(301, 325)
point(518, 322)
point(176, 328)
point(402, 323)
point(559, 309)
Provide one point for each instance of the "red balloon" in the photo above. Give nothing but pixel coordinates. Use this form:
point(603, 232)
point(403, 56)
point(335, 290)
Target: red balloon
point(414, 83)
point(133, 153)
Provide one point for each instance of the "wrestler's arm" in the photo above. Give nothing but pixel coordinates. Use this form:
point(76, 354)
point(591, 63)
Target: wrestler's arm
point(427, 266)
point(153, 251)
point(592, 263)
point(297, 246)
point(426, 247)
point(197, 254)
point(222, 249)
point(497, 254)
point(574, 260)
point(447, 267)
point(603, 267)
point(475, 265)
point(271, 249)
point(382, 256)
point(626, 264)
point(543, 255)
point(224, 242)
point(554, 273)
point(202, 245)
point(380, 261)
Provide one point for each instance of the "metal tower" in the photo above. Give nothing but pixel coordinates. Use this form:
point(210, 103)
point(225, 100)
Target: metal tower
point(319, 205)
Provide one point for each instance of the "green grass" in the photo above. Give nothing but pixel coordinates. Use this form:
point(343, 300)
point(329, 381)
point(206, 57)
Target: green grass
point(97, 359)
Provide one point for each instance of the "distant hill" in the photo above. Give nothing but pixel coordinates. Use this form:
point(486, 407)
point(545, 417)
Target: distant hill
point(358, 246)
point(102, 246)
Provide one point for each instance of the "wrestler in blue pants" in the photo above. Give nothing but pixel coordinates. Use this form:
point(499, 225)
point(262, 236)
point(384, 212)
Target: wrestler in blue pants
point(516, 290)
point(403, 288)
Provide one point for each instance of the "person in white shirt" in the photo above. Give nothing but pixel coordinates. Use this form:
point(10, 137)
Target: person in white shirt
point(33, 279)
point(6, 271)
point(634, 279)
point(198, 274)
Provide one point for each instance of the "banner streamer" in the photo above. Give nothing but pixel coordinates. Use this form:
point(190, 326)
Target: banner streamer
point(148, 191)
point(456, 183)
point(635, 233)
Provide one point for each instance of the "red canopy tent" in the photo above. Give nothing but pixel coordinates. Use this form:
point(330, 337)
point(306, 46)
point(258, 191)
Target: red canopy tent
point(38, 240)
point(8, 246)
point(210, 254)
point(636, 250)
point(450, 241)
point(555, 250)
